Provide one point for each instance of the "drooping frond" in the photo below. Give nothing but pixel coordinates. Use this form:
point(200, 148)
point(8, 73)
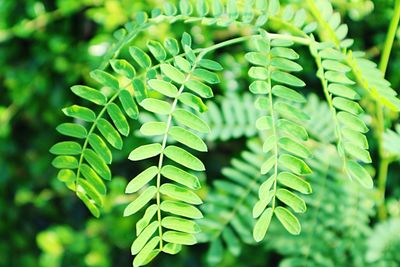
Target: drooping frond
point(274, 63)
point(84, 164)
point(324, 241)
point(168, 223)
point(342, 99)
point(365, 71)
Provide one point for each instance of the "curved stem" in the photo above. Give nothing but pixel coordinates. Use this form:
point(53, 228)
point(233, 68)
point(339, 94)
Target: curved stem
point(390, 38)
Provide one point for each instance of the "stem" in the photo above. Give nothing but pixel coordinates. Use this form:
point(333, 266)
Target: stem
point(380, 121)
point(274, 132)
point(327, 30)
point(390, 38)
point(382, 177)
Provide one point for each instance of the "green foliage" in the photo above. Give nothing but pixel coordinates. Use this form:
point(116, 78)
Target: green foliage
point(294, 160)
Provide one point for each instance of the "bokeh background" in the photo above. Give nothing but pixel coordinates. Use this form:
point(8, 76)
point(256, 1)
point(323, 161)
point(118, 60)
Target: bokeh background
point(46, 46)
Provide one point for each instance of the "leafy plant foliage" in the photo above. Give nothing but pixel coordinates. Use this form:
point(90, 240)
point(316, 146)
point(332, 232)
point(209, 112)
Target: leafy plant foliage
point(164, 86)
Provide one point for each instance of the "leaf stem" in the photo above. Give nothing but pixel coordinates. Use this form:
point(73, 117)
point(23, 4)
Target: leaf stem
point(390, 38)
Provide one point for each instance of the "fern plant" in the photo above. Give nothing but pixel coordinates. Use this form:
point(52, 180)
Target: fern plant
point(164, 87)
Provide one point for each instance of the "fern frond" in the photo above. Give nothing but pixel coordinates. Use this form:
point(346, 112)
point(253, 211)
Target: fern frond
point(324, 241)
point(352, 144)
point(274, 63)
point(228, 208)
point(366, 73)
point(174, 209)
point(84, 167)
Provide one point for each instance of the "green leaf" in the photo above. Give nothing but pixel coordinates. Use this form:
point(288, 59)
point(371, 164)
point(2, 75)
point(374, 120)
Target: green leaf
point(156, 106)
point(66, 176)
point(343, 90)
point(97, 164)
point(173, 73)
point(180, 193)
point(181, 209)
point(172, 46)
point(190, 120)
point(354, 137)
point(183, 64)
point(273, 7)
point(184, 158)
point(153, 128)
point(337, 77)
point(118, 118)
point(185, 7)
point(92, 177)
point(291, 112)
point(200, 88)
point(347, 105)
point(141, 180)
point(286, 78)
point(105, 79)
point(66, 148)
point(140, 91)
point(293, 128)
point(179, 238)
point(123, 67)
point(89, 94)
point(285, 64)
point(157, 50)
point(89, 204)
point(330, 53)
point(260, 73)
point(140, 201)
point(287, 93)
point(257, 58)
point(292, 200)
point(147, 252)
point(100, 147)
point(90, 191)
point(109, 133)
point(357, 152)
point(335, 66)
point(163, 87)
point(264, 123)
point(294, 164)
point(262, 203)
point(145, 220)
point(288, 220)
point(357, 172)
point(72, 129)
point(259, 87)
point(180, 176)
point(65, 162)
point(210, 64)
point(262, 225)
point(206, 75)
point(80, 113)
point(145, 152)
point(193, 101)
point(187, 138)
point(202, 8)
point(128, 104)
point(267, 165)
point(180, 224)
point(351, 121)
point(294, 147)
point(284, 52)
point(294, 182)
point(172, 249)
point(143, 238)
point(140, 57)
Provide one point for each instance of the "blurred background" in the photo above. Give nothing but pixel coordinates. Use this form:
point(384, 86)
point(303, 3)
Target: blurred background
point(46, 46)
